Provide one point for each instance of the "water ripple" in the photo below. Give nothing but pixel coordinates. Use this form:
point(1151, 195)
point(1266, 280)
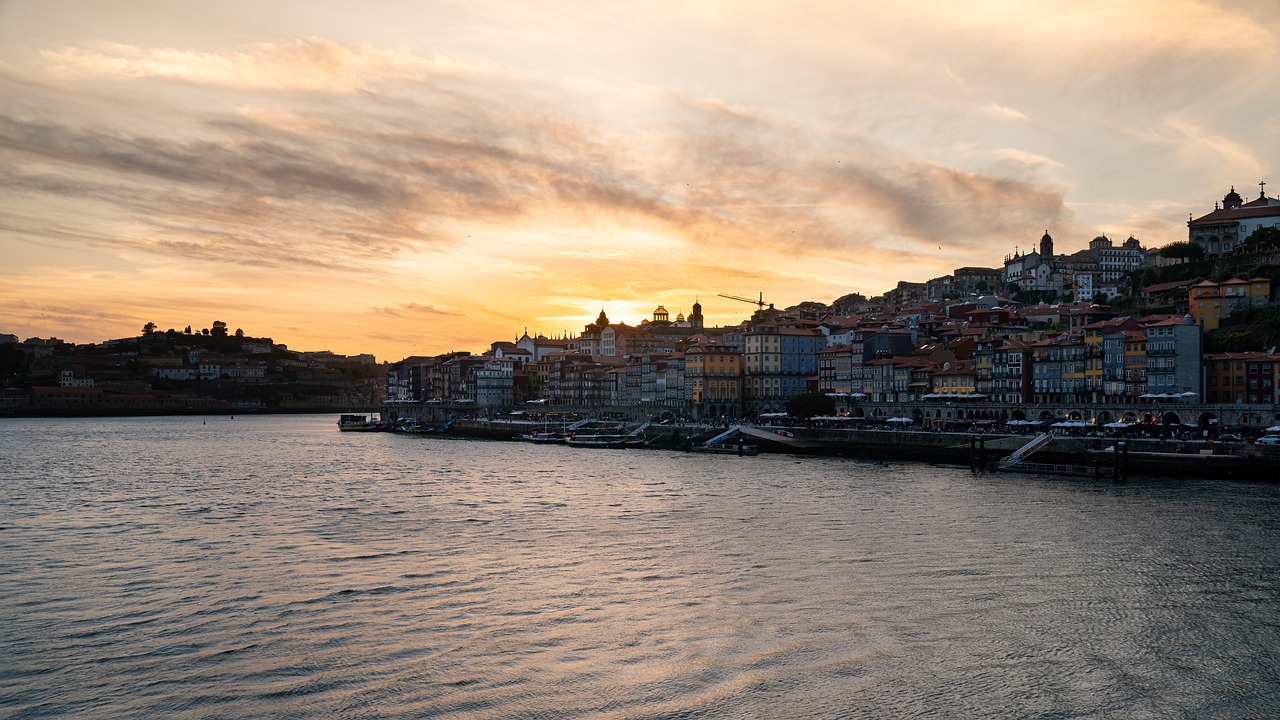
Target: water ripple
point(275, 567)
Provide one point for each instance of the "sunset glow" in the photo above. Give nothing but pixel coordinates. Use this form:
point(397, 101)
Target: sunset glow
point(410, 178)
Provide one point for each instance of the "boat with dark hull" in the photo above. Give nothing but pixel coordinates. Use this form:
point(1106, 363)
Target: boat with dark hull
point(362, 423)
point(727, 449)
point(599, 440)
point(545, 437)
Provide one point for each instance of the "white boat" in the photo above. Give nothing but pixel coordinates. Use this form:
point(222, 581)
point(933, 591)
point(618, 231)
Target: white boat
point(545, 437)
point(598, 440)
point(361, 423)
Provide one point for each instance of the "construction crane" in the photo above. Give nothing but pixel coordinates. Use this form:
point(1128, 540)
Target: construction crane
point(758, 303)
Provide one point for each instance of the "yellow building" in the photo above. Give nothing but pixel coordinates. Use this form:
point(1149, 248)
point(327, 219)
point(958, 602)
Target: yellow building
point(713, 380)
point(1135, 363)
point(1210, 302)
point(1248, 377)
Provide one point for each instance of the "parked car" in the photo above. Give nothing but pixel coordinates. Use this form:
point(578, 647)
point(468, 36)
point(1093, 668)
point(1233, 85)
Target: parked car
point(1269, 440)
point(1230, 438)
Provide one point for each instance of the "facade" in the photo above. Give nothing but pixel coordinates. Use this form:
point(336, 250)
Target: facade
point(495, 383)
point(1209, 302)
point(713, 376)
point(1222, 231)
point(1115, 263)
point(1174, 357)
point(778, 360)
point(835, 369)
point(1241, 378)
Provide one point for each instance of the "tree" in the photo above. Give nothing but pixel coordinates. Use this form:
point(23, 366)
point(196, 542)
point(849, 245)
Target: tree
point(1183, 250)
point(239, 333)
point(1264, 239)
point(148, 328)
point(219, 329)
point(12, 360)
point(807, 405)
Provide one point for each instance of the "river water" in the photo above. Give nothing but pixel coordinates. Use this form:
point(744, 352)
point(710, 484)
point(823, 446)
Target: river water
point(275, 567)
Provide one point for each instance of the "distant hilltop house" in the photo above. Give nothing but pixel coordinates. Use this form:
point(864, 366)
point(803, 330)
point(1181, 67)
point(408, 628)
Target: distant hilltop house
point(1222, 231)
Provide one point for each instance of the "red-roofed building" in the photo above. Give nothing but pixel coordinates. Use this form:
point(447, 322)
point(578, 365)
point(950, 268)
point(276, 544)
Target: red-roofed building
point(1248, 377)
point(1210, 302)
point(1222, 231)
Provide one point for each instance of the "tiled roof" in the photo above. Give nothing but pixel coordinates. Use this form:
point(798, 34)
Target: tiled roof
point(1241, 213)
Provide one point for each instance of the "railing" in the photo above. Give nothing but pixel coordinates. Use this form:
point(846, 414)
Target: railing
point(1023, 452)
point(1052, 469)
point(724, 436)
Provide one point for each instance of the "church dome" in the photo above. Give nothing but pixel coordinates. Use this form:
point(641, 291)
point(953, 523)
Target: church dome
point(1232, 199)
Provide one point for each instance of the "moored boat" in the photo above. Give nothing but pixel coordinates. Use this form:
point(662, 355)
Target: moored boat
point(362, 423)
point(597, 440)
point(545, 438)
point(744, 450)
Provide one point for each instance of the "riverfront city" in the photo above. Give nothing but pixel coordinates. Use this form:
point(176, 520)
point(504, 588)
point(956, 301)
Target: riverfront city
point(1111, 332)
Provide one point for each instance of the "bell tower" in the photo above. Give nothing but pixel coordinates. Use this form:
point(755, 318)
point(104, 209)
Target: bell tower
point(1046, 245)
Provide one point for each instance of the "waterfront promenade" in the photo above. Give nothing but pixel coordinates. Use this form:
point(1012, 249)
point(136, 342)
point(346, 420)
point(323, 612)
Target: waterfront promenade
point(1164, 447)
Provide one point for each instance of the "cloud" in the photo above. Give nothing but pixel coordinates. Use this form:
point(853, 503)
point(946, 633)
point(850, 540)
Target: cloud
point(414, 308)
point(1023, 157)
point(313, 65)
point(995, 109)
point(1196, 145)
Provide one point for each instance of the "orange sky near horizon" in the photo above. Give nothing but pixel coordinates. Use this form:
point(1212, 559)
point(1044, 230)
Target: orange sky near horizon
point(414, 178)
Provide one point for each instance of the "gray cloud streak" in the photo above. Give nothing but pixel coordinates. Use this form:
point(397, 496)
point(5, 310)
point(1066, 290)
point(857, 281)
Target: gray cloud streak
point(369, 176)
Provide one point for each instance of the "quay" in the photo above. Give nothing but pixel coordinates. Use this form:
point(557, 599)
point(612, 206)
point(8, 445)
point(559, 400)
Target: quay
point(981, 451)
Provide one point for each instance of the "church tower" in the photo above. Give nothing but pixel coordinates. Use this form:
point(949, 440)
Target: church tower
point(1046, 247)
point(1232, 200)
point(695, 317)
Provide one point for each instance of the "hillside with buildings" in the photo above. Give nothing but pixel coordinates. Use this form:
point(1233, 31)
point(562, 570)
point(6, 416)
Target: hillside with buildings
point(209, 371)
point(1045, 327)
point(1109, 323)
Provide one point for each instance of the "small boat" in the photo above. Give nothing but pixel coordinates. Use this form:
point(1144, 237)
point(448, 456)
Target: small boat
point(359, 423)
point(545, 437)
point(744, 450)
point(414, 428)
point(597, 440)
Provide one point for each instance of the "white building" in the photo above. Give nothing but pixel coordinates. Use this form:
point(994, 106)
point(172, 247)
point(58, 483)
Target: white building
point(1222, 231)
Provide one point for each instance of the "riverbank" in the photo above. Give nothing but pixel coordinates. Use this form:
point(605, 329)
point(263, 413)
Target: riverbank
point(1138, 456)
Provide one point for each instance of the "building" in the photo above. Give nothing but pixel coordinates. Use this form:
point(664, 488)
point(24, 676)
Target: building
point(778, 360)
point(1210, 302)
point(1241, 378)
point(1222, 231)
point(495, 383)
point(1174, 356)
point(713, 380)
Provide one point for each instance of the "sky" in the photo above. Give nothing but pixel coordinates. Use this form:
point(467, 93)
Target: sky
point(418, 177)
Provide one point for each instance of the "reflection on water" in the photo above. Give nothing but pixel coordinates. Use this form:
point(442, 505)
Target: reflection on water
point(273, 566)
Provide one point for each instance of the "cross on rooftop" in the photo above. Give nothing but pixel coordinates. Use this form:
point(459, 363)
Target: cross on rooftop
point(1263, 185)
